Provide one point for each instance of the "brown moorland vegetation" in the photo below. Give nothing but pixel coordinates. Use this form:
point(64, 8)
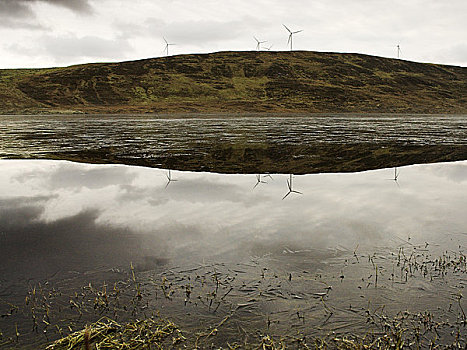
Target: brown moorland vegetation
point(298, 81)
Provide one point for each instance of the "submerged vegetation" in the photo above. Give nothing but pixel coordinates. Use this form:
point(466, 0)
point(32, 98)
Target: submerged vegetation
point(257, 304)
point(298, 81)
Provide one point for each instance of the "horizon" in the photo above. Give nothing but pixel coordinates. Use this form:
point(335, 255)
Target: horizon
point(60, 33)
point(228, 51)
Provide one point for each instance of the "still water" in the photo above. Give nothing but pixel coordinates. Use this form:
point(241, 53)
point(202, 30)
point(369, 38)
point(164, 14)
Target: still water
point(206, 214)
point(308, 232)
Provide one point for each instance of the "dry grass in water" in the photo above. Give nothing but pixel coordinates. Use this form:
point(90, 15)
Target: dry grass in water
point(108, 334)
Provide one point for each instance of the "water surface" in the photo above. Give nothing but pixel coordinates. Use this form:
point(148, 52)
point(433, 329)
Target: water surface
point(60, 221)
point(304, 144)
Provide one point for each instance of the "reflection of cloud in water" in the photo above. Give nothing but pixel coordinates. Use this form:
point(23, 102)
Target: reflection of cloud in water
point(453, 173)
point(205, 189)
point(194, 190)
point(32, 247)
point(73, 175)
point(212, 214)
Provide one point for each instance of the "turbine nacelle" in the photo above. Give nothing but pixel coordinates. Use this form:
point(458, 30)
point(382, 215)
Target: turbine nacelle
point(258, 43)
point(291, 33)
point(399, 51)
point(167, 44)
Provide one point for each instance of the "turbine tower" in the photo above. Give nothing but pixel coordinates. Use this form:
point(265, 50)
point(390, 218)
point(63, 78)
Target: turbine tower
point(398, 51)
point(167, 44)
point(291, 35)
point(258, 43)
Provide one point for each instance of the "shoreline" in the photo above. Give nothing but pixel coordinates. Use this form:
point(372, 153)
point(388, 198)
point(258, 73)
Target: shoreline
point(299, 160)
point(223, 114)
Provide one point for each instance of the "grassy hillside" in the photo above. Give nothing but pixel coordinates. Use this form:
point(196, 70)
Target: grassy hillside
point(239, 82)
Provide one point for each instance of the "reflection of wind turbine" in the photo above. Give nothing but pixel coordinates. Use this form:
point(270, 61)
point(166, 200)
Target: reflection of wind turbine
point(399, 51)
point(291, 35)
point(167, 44)
point(396, 176)
point(290, 186)
point(258, 43)
point(258, 181)
point(169, 178)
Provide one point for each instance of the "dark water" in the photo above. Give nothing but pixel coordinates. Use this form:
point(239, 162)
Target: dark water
point(308, 262)
point(143, 135)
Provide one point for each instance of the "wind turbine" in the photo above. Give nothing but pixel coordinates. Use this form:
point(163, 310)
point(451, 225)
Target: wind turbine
point(291, 35)
point(290, 186)
point(167, 44)
point(269, 48)
point(398, 51)
point(258, 43)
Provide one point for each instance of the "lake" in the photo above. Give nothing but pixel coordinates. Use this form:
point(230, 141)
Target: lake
point(290, 256)
point(301, 144)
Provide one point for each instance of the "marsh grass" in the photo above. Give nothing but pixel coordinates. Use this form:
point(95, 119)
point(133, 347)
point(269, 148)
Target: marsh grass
point(109, 334)
point(250, 305)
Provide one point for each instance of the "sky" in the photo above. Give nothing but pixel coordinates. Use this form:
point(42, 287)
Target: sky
point(48, 33)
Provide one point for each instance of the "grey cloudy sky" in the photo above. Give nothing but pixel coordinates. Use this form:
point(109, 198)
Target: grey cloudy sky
point(44, 33)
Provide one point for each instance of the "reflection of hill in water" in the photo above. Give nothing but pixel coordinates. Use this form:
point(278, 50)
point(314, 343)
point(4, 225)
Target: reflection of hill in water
point(233, 144)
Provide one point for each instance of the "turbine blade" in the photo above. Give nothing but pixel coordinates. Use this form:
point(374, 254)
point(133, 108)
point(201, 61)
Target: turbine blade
point(286, 195)
point(298, 31)
point(287, 28)
point(165, 40)
point(256, 39)
point(290, 38)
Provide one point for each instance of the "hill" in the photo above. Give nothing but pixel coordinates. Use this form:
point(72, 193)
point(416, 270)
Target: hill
point(298, 81)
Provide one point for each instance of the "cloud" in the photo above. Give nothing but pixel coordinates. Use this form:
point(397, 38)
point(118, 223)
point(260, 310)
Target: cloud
point(14, 8)
point(457, 52)
point(20, 13)
point(73, 47)
point(371, 27)
point(16, 14)
point(23, 8)
point(13, 23)
point(79, 6)
point(200, 32)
